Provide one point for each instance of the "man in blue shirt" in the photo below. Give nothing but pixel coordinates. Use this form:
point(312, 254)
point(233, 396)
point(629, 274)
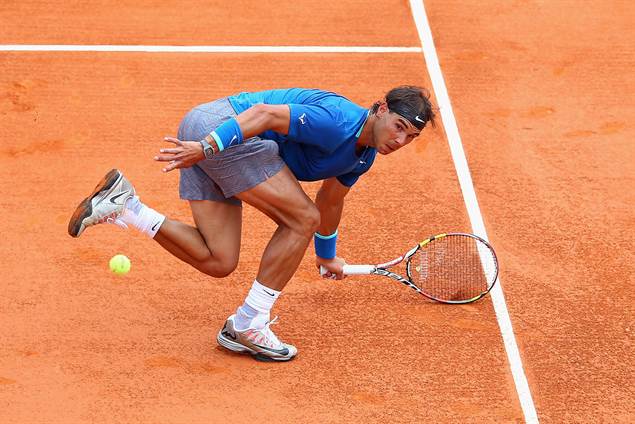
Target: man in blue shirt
point(255, 147)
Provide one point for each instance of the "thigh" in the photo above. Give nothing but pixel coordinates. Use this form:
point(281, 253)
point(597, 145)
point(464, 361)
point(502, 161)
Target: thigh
point(220, 225)
point(281, 198)
point(195, 184)
point(242, 167)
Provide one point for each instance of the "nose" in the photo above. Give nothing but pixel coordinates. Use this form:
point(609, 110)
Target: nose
point(401, 140)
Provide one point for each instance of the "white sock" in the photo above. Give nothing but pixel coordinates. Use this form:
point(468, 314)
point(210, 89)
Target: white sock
point(245, 314)
point(143, 218)
point(255, 312)
point(134, 204)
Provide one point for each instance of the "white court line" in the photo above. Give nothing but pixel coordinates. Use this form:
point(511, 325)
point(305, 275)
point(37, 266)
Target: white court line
point(473, 210)
point(203, 49)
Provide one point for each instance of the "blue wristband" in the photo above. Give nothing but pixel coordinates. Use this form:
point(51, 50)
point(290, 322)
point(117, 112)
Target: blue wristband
point(325, 246)
point(227, 134)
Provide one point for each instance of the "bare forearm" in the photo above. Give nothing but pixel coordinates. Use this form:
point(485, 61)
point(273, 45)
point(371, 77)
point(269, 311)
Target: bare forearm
point(330, 214)
point(260, 118)
point(330, 203)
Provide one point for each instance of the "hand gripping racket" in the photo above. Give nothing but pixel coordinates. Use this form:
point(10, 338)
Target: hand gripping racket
point(447, 268)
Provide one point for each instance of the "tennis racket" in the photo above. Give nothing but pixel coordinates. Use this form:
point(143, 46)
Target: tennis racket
point(447, 268)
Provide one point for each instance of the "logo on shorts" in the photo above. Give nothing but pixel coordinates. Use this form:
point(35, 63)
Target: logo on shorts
point(302, 118)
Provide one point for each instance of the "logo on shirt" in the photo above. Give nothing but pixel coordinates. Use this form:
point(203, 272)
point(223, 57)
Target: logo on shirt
point(302, 118)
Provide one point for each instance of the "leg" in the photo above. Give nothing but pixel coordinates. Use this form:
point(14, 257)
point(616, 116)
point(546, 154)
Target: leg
point(213, 245)
point(218, 222)
point(283, 200)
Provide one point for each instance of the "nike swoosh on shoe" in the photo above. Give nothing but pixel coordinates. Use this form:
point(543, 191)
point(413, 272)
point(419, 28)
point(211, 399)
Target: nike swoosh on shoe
point(284, 351)
point(113, 198)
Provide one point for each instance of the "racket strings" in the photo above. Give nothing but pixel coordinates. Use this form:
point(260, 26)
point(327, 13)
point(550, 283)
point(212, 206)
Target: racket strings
point(454, 268)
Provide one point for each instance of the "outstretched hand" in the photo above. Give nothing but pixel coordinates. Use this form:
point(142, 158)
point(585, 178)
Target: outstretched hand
point(183, 155)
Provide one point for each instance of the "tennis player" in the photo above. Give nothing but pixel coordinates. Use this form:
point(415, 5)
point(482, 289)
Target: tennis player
point(254, 148)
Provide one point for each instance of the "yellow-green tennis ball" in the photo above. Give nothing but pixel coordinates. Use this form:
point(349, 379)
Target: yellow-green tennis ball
point(119, 264)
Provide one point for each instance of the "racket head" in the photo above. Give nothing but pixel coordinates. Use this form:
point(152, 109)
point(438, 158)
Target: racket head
point(453, 268)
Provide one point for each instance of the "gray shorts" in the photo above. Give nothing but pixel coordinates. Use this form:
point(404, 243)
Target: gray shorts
point(232, 171)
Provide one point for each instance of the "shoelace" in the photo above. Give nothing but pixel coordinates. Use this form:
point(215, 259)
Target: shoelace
point(269, 334)
point(113, 218)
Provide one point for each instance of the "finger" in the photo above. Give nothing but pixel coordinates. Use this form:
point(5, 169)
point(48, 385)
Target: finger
point(171, 166)
point(174, 150)
point(173, 140)
point(164, 158)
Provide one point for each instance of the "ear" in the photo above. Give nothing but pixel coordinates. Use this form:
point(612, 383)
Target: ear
point(382, 109)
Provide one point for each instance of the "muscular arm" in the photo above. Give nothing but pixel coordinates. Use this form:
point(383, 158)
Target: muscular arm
point(253, 121)
point(330, 203)
point(261, 117)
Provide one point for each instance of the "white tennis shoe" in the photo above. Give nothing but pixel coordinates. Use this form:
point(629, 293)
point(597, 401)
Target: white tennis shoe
point(104, 205)
point(261, 343)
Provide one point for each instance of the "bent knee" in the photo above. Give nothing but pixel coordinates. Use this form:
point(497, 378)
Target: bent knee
point(313, 221)
point(218, 268)
point(308, 221)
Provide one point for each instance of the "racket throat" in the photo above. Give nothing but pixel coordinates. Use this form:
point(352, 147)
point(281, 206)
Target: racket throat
point(397, 277)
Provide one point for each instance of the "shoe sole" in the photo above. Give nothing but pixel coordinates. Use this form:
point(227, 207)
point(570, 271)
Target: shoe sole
point(237, 347)
point(85, 208)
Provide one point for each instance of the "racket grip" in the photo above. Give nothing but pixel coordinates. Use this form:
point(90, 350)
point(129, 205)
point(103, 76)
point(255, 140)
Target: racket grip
point(358, 269)
point(353, 269)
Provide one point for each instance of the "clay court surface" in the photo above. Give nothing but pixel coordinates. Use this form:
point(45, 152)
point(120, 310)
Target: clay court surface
point(542, 93)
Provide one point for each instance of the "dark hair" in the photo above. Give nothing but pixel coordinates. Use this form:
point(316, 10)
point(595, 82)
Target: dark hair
point(411, 102)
